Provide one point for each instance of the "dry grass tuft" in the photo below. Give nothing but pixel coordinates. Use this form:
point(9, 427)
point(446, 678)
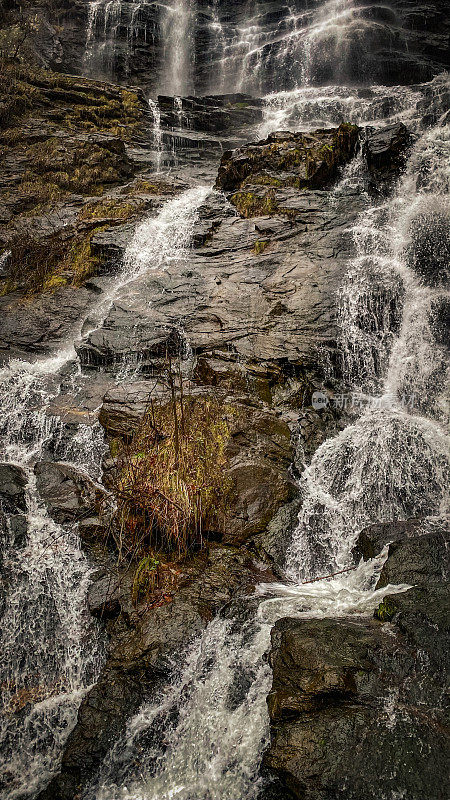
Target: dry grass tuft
point(170, 487)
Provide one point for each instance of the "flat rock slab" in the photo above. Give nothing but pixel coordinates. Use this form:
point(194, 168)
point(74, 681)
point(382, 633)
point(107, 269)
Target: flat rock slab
point(262, 288)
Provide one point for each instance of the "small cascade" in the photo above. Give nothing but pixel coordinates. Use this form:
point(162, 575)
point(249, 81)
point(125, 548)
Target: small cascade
point(112, 30)
point(104, 19)
point(178, 108)
point(177, 28)
point(134, 27)
point(157, 131)
point(371, 471)
point(313, 107)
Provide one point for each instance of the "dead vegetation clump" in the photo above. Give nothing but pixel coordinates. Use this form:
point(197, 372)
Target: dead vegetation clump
point(170, 486)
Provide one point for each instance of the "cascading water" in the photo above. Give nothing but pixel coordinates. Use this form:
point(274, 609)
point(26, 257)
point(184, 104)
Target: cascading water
point(178, 48)
point(52, 649)
point(317, 44)
point(104, 18)
point(214, 715)
point(157, 132)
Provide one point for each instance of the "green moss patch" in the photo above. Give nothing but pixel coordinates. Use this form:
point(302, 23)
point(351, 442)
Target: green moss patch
point(111, 208)
point(249, 204)
point(385, 611)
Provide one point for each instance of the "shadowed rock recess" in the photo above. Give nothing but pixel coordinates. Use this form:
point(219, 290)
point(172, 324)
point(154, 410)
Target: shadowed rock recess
point(224, 263)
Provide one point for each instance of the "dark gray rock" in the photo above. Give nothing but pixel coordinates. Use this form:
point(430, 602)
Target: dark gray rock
point(69, 494)
point(272, 543)
point(421, 560)
point(345, 686)
point(104, 596)
point(39, 327)
point(13, 481)
point(385, 151)
point(440, 321)
point(286, 269)
point(372, 539)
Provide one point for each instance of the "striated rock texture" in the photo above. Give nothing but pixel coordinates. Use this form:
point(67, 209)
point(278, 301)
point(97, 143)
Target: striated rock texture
point(260, 284)
point(358, 707)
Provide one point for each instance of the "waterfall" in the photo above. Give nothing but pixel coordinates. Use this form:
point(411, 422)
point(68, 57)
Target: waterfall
point(391, 461)
point(52, 650)
point(177, 29)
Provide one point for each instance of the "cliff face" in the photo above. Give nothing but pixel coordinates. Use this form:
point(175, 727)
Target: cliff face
point(255, 46)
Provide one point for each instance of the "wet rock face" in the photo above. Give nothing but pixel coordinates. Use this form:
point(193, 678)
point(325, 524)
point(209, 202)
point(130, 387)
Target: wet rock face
point(13, 481)
point(388, 44)
point(359, 687)
point(282, 257)
point(13, 508)
point(224, 113)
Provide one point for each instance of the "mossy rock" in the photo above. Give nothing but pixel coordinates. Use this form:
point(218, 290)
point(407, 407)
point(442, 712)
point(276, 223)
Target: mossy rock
point(249, 204)
point(309, 161)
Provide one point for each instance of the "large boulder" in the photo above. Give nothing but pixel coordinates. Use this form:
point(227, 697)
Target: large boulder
point(298, 160)
point(345, 688)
